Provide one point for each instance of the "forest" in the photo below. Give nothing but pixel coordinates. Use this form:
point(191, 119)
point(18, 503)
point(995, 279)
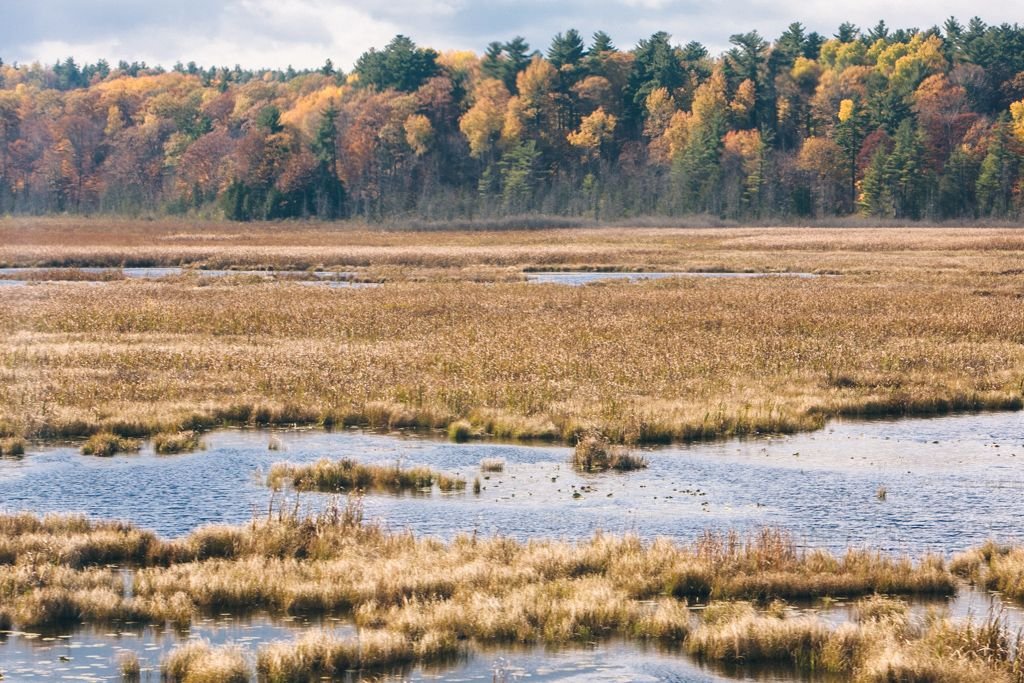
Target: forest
point(904, 124)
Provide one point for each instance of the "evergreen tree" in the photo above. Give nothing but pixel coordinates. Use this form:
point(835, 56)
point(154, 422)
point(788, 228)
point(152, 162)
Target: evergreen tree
point(905, 172)
point(567, 49)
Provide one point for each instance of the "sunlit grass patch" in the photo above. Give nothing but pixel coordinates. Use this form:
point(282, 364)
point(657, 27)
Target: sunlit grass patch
point(106, 444)
point(338, 476)
point(594, 452)
point(492, 465)
point(167, 443)
point(13, 446)
point(199, 662)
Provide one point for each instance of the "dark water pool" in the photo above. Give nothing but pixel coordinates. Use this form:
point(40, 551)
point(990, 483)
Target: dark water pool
point(578, 278)
point(951, 483)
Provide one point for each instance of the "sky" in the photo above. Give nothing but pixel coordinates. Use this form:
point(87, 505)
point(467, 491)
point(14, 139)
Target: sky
point(304, 33)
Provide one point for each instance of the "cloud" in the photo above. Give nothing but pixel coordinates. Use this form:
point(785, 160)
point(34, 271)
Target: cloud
point(303, 33)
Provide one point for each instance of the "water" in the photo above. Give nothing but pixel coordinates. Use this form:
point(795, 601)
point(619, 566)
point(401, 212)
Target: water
point(88, 654)
point(951, 482)
point(577, 278)
point(18, 276)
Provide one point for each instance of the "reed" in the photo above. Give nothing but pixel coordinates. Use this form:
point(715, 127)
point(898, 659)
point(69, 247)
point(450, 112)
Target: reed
point(13, 446)
point(130, 666)
point(594, 452)
point(106, 444)
point(492, 465)
point(675, 360)
point(342, 476)
point(199, 662)
point(167, 443)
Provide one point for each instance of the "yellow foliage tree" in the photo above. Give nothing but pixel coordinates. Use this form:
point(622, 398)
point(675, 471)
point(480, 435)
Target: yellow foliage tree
point(1017, 112)
point(594, 132)
point(419, 133)
point(484, 121)
point(660, 108)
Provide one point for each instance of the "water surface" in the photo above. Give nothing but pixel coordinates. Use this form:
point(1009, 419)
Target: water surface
point(951, 483)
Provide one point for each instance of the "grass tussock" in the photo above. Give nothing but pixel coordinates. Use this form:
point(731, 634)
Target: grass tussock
point(994, 567)
point(594, 452)
point(882, 646)
point(167, 443)
point(416, 600)
point(199, 662)
point(460, 431)
point(492, 465)
point(321, 654)
point(106, 444)
point(13, 446)
point(130, 667)
point(342, 476)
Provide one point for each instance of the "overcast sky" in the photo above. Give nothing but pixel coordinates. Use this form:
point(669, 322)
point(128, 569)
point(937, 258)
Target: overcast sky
point(303, 33)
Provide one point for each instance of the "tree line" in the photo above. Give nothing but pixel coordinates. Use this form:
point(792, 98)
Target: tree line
point(905, 123)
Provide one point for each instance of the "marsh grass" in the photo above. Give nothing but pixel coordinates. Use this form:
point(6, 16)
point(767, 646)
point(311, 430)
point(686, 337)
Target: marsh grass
point(920, 321)
point(13, 446)
point(460, 431)
point(322, 654)
point(594, 452)
point(107, 444)
point(199, 662)
point(492, 465)
point(993, 566)
point(131, 668)
point(418, 600)
point(167, 443)
point(342, 476)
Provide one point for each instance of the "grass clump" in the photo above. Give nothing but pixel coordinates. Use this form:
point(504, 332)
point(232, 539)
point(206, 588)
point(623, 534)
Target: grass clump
point(199, 662)
point(594, 452)
point(460, 431)
point(13, 446)
point(168, 443)
point(322, 654)
point(339, 476)
point(131, 668)
point(492, 465)
point(106, 444)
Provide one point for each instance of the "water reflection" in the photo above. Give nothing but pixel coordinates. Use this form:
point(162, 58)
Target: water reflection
point(952, 483)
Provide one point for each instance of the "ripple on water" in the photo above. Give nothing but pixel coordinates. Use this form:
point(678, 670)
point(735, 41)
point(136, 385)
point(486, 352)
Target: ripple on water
point(949, 486)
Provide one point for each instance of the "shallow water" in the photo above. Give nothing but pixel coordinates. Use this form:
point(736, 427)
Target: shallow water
point(87, 654)
point(578, 278)
point(18, 276)
point(951, 482)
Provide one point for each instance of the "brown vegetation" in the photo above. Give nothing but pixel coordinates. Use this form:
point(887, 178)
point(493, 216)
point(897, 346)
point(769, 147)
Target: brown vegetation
point(344, 476)
point(167, 443)
point(420, 599)
point(920, 321)
point(595, 453)
point(106, 444)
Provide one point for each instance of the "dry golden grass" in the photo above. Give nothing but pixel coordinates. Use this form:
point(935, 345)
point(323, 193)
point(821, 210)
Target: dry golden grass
point(199, 662)
point(13, 446)
point(995, 567)
point(921, 320)
point(595, 453)
point(105, 444)
point(344, 476)
point(168, 443)
point(322, 654)
point(421, 599)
